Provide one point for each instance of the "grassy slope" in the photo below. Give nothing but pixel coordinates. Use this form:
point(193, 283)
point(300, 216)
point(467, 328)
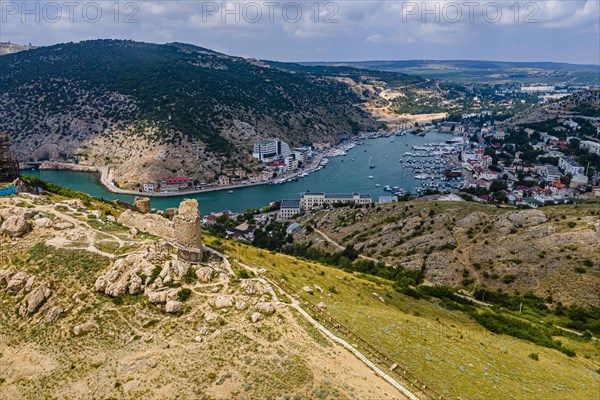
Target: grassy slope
point(442, 347)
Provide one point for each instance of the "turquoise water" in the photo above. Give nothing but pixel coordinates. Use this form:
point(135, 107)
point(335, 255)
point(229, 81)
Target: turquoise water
point(342, 175)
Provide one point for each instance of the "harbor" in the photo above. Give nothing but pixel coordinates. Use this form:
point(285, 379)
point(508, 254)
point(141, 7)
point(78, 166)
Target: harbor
point(344, 169)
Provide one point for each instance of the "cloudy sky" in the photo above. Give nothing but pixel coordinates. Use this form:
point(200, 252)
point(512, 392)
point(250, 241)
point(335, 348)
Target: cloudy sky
point(539, 30)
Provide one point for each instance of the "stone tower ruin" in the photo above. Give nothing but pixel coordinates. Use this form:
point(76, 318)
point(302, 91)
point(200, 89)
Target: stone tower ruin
point(188, 236)
point(9, 167)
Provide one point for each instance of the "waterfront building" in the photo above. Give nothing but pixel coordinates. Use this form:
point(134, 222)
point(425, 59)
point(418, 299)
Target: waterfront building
point(150, 186)
point(311, 200)
point(270, 150)
point(288, 209)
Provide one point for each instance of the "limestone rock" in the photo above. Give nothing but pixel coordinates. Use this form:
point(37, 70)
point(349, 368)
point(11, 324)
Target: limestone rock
point(308, 289)
point(264, 307)
point(157, 297)
point(135, 284)
point(223, 301)
point(211, 317)
point(15, 226)
point(198, 339)
point(5, 275)
point(173, 306)
point(255, 317)
point(321, 305)
point(520, 219)
point(43, 222)
point(205, 274)
point(470, 219)
point(241, 305)
point(62, 225)
point(114, 282)
point(35, 299)
point(17, 282)
point(84, 328)
point(252, 287)
point(29, 284)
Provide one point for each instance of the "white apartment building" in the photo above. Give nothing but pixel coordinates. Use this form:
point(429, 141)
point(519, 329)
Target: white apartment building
point(269, 150)
point(570, 166)
point(315, 200)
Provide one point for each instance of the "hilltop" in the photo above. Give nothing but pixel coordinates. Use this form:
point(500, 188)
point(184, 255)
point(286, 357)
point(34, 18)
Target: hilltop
point(92, 307)
point(172, 109)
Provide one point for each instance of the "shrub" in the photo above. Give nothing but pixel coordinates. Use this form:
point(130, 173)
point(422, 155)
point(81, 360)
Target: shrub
point(184, 294)
point(509, 278)
point(534, 356)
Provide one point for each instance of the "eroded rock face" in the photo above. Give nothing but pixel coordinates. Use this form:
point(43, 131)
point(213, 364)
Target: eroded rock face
point(15, 226)
point(125, 276)
point(520, 219)
point(34, 300)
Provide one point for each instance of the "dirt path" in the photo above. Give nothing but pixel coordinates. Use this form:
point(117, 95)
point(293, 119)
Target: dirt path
point(295, 305)
point(340, 247)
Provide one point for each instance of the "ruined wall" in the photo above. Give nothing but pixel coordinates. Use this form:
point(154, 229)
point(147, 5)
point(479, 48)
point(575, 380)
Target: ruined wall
point(153, 224)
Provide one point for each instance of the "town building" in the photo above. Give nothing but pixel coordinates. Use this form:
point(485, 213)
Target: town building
point(592, 147)
point(315, 200)
point(150, 186)
point(293, 228)
point(551, 173)
point(570, 166)
point(288, 209)
point(224, 180)
point(269, 150)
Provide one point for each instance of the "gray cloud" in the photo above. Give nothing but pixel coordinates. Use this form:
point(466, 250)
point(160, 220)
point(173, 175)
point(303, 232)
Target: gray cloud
point(548, 30)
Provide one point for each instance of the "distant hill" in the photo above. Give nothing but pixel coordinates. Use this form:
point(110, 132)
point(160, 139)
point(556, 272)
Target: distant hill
point(159, 110)
point(585, 103)
point(10, 48)
point(483, 71)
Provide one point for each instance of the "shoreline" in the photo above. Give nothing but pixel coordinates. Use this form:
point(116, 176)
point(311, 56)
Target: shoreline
point(104, 173)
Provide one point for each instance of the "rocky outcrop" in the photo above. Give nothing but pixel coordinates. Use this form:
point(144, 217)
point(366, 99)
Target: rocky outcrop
point(43, 222)
point(173, 271)
point(173, 306)
point(17, 282)
point(223, 301)
point(125, 275)
point(308, 289)
point(15, 226)
point(471, 219)
point(205, 274)
point(264, 307)
point(252, 287)
point(255, 317)
point(520, 219)
point(34, 300)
